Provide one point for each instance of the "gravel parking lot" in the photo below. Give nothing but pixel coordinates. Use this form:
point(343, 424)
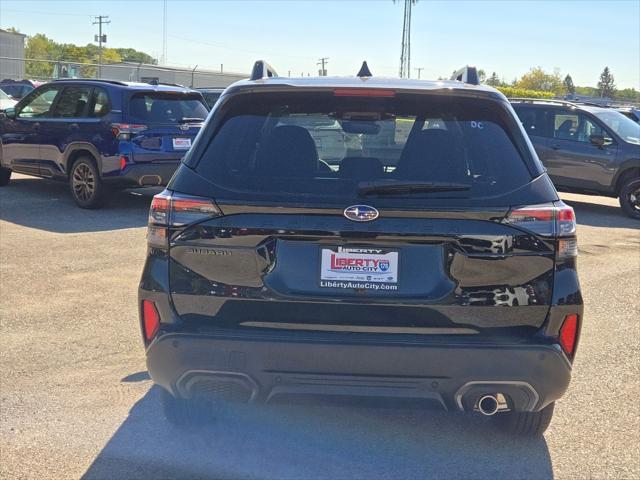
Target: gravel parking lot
point(76, 400)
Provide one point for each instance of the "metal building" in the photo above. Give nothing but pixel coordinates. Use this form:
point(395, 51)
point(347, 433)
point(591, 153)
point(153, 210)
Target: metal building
point(11, 47)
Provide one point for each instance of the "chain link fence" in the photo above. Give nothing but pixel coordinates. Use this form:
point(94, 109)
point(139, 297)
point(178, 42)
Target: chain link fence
point(45, 70)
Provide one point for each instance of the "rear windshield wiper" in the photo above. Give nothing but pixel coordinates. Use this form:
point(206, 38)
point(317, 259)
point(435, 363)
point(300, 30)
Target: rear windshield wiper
point(399, 187)
point(190, 120)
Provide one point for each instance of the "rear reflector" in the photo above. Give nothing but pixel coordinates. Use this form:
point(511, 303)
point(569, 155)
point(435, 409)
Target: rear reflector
point(364, 92)
point(150, 318)
point(569, 334)
point(123, 162)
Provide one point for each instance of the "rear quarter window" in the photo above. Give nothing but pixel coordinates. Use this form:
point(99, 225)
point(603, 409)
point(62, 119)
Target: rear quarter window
point(321, 148)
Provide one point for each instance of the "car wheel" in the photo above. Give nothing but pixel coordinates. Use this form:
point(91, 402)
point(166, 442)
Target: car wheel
point(630, 197)
point(85, 183)
point(184, 412)
point(530, 424)
point(5, 176)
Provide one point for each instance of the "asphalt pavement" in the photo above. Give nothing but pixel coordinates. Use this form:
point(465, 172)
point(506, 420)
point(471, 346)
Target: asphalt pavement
point(76, 401)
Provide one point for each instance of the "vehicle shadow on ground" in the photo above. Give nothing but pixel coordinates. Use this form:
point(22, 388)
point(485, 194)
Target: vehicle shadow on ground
point(47, 205)
point(317, 442)
point(600, 215)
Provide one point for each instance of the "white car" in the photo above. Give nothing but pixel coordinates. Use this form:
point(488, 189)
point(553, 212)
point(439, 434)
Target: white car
point(6, 101)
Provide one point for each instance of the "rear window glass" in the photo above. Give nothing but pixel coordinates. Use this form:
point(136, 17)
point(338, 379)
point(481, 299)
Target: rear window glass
point(152, 107)
point(324, 148)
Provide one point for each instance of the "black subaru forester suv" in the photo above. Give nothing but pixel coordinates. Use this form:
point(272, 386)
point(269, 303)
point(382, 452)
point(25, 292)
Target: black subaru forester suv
point(362, 238)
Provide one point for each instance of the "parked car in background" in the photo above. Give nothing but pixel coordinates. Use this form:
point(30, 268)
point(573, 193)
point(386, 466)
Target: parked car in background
point(438, 269)
point(18, 88)
point(586, 149)
point(211, 95)
point(632, 112)
point(98, 135)
point(6, 101)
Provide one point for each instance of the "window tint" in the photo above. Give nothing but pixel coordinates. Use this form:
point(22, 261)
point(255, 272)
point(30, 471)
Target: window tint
point(322, 147)
point(165, 107)
point(99, 103)
point(73, 102)
point(39, 103)
point(532, 119)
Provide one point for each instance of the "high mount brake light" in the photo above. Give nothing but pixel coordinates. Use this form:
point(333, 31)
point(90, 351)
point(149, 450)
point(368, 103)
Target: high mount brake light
point(172, 210)
point(363, 92)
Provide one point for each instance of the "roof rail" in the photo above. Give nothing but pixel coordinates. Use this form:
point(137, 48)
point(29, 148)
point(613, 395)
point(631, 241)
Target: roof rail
point(114, 82)
point(262, 69)
point(156, 82)
point(545, 100)
point(467, 75)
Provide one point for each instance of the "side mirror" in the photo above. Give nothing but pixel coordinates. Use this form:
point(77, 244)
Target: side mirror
point(10, 112)
point(597, 140)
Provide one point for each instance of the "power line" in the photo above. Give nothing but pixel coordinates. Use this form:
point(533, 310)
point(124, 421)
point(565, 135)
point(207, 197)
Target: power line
point(101, 20)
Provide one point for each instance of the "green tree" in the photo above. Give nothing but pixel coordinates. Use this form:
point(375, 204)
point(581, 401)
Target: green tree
point(494, 80)
point(38, 47)
point(569, 87)
point(606, 85)
point(538, 79)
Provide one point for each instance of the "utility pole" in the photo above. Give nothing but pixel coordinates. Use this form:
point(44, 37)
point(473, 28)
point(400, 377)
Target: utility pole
point(100, 38)
point(419, 69)
point(164, 34)
point(405, 54)
point(323, 61)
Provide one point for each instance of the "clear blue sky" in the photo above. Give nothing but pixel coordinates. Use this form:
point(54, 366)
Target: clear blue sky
point(509, 37)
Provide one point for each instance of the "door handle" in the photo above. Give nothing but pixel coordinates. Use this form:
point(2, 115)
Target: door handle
point(555, 146)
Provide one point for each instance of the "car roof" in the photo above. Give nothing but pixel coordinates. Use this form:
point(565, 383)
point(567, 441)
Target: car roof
point(129, 85)
point(326, 83)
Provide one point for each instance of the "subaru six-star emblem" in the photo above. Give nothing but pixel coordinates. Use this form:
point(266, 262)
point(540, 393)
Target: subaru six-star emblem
point(361, 213)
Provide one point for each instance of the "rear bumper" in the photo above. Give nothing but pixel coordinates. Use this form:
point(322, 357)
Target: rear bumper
point(145, 174)
point(272, 369)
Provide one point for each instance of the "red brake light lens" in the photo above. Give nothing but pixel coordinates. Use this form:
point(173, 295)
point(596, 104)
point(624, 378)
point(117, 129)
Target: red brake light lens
point(548, 220)
point(569, 334)
point(364, 92)
point(150, 319)
point(124, 131)
point(175, 210)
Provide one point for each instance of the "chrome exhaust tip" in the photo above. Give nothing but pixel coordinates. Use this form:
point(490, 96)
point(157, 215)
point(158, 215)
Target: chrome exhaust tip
point(488, 405)
point(150, 181)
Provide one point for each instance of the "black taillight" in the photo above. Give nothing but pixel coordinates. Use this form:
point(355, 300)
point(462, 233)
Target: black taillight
point(549, 220)
point(173, 210)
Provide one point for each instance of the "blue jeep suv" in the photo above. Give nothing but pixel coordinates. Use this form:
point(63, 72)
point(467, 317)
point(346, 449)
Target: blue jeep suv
point(100, 135)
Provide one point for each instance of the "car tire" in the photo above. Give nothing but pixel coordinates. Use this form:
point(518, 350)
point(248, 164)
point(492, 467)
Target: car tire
point(630, 197)
point(531, 424)
point(183, 412)
point(86, 185)
point(5, 176)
